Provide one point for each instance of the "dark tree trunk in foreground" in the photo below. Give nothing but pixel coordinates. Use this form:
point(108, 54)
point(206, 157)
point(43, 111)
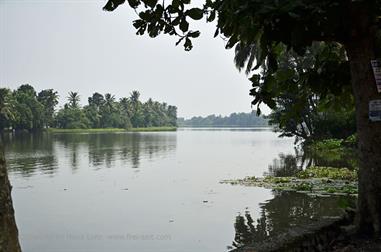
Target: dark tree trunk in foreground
point(361, 50)
point(8, 229)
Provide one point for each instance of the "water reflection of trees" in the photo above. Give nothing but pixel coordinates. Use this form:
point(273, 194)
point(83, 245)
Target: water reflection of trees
point(278, 215)
point(105, 149)
point(290, 164)
point(27, 153)
point(285, 166)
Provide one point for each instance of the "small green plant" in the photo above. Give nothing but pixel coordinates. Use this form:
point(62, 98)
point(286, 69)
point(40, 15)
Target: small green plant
point(277, 180)
point(330, 189)
point(328, 144)
point(303, 186)
point(253, 178)
point(349, 189)
point(350, 141)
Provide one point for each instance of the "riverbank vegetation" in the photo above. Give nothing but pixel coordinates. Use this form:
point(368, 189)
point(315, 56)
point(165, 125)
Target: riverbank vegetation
point(322, 168)
point(319, 116)
point(25, 109)
point(233, 120)
point(321, 120)
point(109, 130)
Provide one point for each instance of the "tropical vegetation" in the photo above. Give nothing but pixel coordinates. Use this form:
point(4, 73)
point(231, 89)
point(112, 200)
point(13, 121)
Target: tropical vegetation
point(233, 120)
point(25, 109)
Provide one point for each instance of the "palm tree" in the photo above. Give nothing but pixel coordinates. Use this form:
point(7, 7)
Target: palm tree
point(135, 104)
point(134, 97)
point(125, 106)
point(109, 102)
point(73, 99)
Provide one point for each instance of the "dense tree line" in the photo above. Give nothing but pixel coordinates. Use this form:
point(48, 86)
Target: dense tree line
point(233, 120)
point(25, 109)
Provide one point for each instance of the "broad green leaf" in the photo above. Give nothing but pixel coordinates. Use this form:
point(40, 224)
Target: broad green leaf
point(195, 13)
point(150, 3)
point(184, 25)
point(194, 34)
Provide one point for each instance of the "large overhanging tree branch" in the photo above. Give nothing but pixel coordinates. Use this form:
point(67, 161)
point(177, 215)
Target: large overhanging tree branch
point(270, 24)
point(156, 18)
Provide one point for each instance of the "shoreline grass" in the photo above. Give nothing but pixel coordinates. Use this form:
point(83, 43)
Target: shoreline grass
point(111, 130)
point(152, 129)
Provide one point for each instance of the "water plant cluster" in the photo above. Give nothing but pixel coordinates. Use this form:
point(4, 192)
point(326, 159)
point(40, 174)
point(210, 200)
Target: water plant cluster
point(329, 173)
point(320, 181)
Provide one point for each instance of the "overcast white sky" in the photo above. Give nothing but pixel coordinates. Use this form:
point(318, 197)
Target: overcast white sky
point(72, 45)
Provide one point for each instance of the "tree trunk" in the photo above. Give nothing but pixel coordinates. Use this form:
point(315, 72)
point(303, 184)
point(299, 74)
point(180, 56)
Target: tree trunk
point(8, 229)
point(360, 51)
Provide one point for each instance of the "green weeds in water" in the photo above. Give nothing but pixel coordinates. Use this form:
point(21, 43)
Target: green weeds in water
point(318, 180)
point(348, 189)
point(329, 173)
point(277, 180)
point(304, 186)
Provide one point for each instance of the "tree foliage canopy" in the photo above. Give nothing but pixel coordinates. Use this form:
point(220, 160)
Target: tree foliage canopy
point(24, 109)
point(233, 120)
point(268, 28)
point(104, 111)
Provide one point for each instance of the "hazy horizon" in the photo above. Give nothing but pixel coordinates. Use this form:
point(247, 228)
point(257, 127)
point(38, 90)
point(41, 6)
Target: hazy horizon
point(75, 46)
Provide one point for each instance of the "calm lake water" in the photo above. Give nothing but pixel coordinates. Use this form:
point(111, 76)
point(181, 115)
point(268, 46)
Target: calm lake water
point(156, 191)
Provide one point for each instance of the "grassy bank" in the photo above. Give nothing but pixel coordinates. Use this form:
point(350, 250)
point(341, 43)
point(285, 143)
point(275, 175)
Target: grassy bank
point(110, 130)
point(152, 129)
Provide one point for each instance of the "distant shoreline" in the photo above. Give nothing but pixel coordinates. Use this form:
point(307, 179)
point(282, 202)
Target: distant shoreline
point(106, 130)
point(147, 129)
point(226, 126)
